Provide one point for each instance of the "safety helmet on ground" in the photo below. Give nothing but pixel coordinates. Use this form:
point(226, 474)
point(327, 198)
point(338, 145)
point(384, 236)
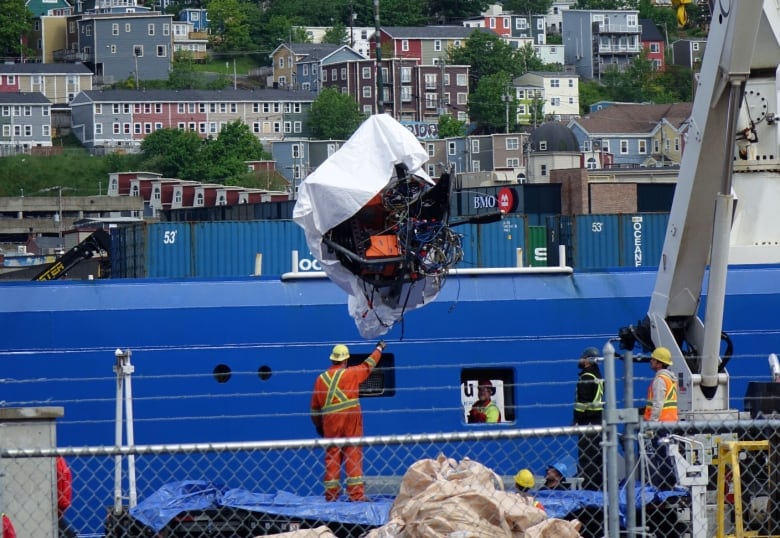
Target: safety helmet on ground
point(340, 353)
point(661, 354)
point(560, 467)
point(590, 353)
point(524, 478)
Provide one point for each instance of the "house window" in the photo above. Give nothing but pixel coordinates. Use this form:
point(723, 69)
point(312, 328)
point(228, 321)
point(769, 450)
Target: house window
point(366, 91)
point(406, 75)
point(405, 45)
point(676, 144)
point(512, 143)
point(695, 46)
point(605, 146)
point(98, 128)
point(514, 162)
point(461, 80)
point(343, 73)
point(655, 47)
point(115, 29)
point(555, 101)
point(624, 147)
point(475, 145)
point(365, 73)
point(406, 94)
point(128, 28)
point(437, 45)
point(150, 28)
point(138, 50)
point(162, 51)
point(98, 108)
point(451, 149)
point(543, 145)
point(555, 83)
point(475, 166)
point(642, 146)
point(543, 169)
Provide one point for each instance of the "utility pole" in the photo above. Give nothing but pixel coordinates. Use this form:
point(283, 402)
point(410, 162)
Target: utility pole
point(378, 44)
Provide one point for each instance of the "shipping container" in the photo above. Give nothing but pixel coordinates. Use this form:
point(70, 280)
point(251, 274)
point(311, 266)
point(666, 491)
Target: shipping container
point(492, 245)
point(536, 246)
point(642, 239)
point(596, 241)
point(235, 248)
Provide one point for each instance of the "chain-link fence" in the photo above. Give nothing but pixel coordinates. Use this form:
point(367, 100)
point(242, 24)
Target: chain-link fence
point(725, 476)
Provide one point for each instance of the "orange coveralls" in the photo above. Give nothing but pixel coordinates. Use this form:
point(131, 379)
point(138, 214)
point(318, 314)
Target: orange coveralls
point(335, 412)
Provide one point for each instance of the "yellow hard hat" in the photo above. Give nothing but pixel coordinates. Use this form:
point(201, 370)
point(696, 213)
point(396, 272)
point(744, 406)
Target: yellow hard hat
point(524, 478)
point(340, 353)
point(661, 354)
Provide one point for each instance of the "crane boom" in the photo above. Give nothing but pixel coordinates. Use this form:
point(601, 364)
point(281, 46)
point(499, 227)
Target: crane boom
point(728, 172)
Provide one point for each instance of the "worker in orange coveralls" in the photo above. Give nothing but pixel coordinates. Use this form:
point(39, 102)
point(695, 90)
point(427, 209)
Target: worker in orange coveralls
point(335, 412)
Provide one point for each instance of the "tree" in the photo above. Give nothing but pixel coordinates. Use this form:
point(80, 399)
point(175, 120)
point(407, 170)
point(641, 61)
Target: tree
point(450, 127)
point(172, 152)
point(229, 25)
point(15, 21)
point(487, 54)
point(182, 75)
point(227, 155)
point(337, 35)
point(491, 106)
point(455, 10)
point(534, 7)
point(334, 115)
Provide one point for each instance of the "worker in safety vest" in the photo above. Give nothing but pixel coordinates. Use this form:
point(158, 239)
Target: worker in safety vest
point(524, 484)
point(484, 410)
point(661, 407)
point(588, 408)
point(662, 392)
point(335, 412)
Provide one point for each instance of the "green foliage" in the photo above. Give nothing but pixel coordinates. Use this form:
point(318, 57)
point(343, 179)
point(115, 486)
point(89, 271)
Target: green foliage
point(455, 10)
point(450, 127)
point(487, 54)
point(336, 35)
point(534, 7)
point(229, 25)
point(184, 155)
point(488, 106)
point(227, 155)
point(15, 20)
point(173, 153)
point(334, 115)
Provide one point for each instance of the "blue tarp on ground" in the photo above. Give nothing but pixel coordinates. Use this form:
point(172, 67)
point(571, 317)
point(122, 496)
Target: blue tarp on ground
point(166, 503)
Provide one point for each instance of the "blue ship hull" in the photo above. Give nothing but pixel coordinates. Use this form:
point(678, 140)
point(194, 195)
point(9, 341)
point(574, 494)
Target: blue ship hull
point(235, 360)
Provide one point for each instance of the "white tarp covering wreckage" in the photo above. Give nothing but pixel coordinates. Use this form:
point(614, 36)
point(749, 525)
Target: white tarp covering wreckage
point(378, 224)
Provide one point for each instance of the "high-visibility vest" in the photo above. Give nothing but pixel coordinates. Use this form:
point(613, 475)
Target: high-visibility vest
point(597, 404)
point(669, 411)
point(336, 400)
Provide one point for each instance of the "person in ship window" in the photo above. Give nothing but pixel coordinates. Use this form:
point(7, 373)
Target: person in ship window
point(484, 410)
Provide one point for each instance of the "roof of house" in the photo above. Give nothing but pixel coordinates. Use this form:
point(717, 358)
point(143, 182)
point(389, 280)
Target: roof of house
point(635, 118)
point(650, 31)
point(176, 96)
point(30, 98)
point(429, 32)
point(45, 69)
point(316, 50)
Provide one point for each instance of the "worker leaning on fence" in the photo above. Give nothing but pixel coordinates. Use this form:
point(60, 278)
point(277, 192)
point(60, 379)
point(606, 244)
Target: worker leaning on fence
point(335, 412)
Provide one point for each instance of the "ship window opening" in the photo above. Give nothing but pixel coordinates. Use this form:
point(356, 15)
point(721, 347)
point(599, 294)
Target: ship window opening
point(503, 381)
point(264, 373)
point(222, 373)
point(381, 382)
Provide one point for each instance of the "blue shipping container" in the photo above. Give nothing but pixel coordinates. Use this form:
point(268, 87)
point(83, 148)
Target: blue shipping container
point(642, 238)
point(231, 248)
point(596, 241)
point(168, 251)
point(494, 244)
